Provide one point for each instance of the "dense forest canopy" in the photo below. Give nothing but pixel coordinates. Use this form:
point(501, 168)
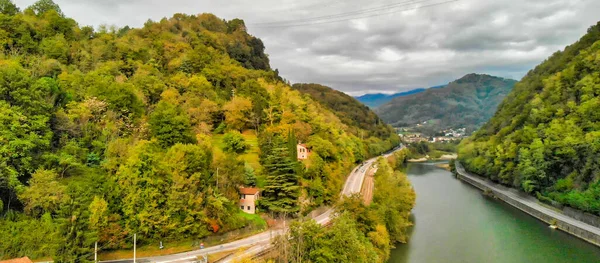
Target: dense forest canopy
point(545, 137)
point(113, 131)
point(357, 116)
point(464, 103)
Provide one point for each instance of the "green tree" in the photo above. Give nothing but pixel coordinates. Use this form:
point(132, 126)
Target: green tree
point(282, 187)
point(7, 7)
point(394, 186)
point(42, 6)
point(234, 142)
point(144, 186)
point(344, 243)
point(170, 125)
point(44, 194)
point(55, 47)
point(77, 241)
point(189, 167)
point(249, 175)
point(98, 213)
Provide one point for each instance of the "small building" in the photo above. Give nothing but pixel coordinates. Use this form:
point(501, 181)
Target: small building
point(17, 260)
point(303, 151)
point(248, 197)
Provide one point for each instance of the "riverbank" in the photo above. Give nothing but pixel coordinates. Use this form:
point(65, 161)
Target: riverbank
point(427, 158)
point(531, 206)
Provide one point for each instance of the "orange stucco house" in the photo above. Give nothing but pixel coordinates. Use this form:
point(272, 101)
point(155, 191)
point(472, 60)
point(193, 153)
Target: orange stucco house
point(303, 151)
point(248, 197)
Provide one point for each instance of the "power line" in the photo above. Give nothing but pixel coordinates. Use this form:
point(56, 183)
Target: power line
point(309, 6)
point(351, 13)
point(318, 22)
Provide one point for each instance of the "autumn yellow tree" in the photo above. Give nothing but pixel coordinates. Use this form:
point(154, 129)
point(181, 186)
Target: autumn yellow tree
point(237, 112)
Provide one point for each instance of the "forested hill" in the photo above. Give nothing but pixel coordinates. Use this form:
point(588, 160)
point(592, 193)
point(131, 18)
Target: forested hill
point(545, 137)
point(467, 102)
point(109, 132)
point(350, 111)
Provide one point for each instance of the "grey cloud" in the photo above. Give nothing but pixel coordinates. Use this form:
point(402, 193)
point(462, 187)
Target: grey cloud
point(393, 52)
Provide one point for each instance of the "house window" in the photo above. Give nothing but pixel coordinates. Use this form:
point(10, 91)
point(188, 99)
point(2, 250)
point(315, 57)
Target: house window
point(242, 207)
point(243, 196)
point(248, 208)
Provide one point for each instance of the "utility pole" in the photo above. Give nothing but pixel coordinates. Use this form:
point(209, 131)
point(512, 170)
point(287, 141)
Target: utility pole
point(96, 252)
point(134, 247)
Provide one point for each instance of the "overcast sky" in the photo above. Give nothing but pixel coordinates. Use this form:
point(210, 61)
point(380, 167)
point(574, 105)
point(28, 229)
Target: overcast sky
point(365, 46)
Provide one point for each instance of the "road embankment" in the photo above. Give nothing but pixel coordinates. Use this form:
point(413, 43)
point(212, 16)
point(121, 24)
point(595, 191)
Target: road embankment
point(531, 206)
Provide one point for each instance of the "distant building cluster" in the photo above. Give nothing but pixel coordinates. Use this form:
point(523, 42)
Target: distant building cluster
point(415, 137)
point(458, 133)
point(443, 139)
point(448, 136)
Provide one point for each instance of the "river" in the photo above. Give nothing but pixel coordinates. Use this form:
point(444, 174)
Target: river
point(454, 222)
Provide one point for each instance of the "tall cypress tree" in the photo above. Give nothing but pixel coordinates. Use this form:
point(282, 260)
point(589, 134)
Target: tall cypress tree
point(292, 142)
point(282, 189)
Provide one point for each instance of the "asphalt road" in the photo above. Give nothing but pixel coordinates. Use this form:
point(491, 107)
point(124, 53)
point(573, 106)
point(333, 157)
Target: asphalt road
point(530, 202)
point(262, 241)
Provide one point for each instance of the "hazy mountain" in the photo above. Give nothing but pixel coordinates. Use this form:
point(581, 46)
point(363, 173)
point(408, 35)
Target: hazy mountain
point(467, 102)
point(375, 100)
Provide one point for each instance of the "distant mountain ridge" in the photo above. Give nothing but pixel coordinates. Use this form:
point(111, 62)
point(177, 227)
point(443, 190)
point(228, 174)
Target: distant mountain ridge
point(374, 100)
point(467, 102)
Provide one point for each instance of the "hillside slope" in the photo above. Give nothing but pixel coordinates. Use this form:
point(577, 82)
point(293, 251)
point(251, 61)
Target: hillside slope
point(545, 137)
point(467, 102)
point(349, 110)
point(151, 130)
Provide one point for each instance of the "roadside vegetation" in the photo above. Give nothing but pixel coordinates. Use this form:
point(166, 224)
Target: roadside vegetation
point(359, 233)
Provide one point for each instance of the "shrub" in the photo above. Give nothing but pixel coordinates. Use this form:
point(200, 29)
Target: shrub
point(234, 142)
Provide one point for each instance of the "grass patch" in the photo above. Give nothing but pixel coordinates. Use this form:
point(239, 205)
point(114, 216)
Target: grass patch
point(250, 156)
point(254, 220)
point(148, 250)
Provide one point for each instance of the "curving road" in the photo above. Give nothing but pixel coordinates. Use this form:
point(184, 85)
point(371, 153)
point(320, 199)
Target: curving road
point(262, 241)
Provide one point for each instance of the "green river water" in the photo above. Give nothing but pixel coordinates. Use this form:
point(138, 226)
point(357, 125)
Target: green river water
point(454, 222)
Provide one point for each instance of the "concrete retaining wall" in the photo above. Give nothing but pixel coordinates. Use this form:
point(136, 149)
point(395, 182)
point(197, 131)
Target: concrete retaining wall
point(564, 226)
point(582, 216)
